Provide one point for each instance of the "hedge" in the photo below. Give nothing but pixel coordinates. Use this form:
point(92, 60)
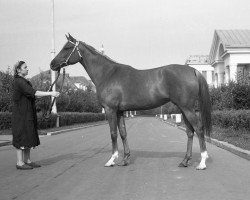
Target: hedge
point(5, 120)
point(66, 118)
point(234, 119)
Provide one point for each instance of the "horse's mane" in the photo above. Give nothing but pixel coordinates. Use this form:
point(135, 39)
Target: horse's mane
point(96, 52)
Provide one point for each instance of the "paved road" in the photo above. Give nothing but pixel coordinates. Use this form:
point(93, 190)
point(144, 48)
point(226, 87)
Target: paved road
point(73, 168)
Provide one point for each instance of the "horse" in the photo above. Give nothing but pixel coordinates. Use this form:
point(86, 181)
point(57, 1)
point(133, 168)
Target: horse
point(123, 88)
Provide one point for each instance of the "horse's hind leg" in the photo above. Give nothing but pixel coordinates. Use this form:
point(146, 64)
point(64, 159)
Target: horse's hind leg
point(123, 134)
point(112, 119)
point(190, 134)
point(195, 121)
point(203, 148)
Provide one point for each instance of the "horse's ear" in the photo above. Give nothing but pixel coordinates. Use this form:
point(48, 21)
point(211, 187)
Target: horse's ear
point(71, 38)
point(67, 37)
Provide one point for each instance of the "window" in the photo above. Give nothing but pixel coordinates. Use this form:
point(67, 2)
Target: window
point(243, 72)
point(213, 78)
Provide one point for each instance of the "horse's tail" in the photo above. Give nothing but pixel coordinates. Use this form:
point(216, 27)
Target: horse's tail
point(205, 104)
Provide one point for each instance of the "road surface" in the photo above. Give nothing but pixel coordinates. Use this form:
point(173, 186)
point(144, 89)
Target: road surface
point(73, 168)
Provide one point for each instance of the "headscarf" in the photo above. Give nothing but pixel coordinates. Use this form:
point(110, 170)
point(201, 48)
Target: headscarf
point(17, 66)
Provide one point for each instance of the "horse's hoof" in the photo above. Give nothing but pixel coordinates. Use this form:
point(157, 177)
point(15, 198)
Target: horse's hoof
point(189, 163)
point(123, 163)
point(200, 167)
point(109, 164)
point(182, 165)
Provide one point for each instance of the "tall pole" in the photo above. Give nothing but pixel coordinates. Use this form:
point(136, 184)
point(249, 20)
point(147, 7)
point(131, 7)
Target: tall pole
point(53, 73)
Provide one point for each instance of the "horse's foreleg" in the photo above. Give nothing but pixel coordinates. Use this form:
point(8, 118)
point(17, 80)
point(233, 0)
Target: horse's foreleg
point(123, 134)
point(112, 119)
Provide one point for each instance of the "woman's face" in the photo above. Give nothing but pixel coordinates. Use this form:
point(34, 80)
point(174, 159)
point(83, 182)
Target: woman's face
point(23, 71)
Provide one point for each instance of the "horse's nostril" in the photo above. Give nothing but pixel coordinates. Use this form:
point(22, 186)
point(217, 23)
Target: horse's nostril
point(51, 63)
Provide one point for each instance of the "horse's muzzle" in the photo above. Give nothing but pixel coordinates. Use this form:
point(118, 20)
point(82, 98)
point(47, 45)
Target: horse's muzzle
point(55, 66)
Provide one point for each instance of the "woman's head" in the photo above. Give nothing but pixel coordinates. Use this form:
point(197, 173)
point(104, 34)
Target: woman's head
point(21, 69)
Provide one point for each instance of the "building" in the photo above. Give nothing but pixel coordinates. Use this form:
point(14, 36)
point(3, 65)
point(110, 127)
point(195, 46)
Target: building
point(70, 82)
point(230, 55)
point(81, 82)
point(201, 63)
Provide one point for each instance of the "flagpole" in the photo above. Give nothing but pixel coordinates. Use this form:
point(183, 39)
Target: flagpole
point(52, 53)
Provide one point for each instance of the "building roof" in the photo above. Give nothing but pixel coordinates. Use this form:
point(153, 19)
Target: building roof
point(197, 60)
point(224, 40)
point(234, 38)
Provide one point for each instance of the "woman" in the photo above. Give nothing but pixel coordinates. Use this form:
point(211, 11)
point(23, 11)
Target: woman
point(24, 119)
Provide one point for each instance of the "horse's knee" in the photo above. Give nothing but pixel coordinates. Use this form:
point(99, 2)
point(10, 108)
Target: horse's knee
point(113, 135)
point(190, 134)
point(123, 136)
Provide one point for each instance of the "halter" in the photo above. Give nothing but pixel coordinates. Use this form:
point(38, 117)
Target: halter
point(75, 48)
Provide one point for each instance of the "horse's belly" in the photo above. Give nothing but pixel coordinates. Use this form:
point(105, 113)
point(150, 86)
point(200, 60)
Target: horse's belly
point(142, 103)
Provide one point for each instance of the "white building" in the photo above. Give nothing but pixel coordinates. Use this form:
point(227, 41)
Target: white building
point(230, 55)
point(201, 63)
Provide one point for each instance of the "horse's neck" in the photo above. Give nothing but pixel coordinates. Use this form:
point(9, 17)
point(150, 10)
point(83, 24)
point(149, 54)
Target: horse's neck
point(97, 67)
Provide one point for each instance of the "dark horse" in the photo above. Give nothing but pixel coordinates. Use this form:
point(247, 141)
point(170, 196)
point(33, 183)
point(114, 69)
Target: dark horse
point(121, 88)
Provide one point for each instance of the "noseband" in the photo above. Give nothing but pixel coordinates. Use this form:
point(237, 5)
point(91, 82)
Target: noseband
point(75, 48)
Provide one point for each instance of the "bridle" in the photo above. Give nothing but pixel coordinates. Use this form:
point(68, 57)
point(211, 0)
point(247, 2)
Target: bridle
point(75, 48)
point(46, 115)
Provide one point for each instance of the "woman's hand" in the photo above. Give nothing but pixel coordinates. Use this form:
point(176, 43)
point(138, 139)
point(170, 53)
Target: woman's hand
point(55, 94)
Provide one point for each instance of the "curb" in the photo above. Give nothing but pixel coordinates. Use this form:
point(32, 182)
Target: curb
point(73, 129)
point(5, 143)
point(223, 145)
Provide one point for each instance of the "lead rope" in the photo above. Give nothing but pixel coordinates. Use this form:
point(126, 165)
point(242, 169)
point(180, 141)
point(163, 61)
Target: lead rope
point(47, 114)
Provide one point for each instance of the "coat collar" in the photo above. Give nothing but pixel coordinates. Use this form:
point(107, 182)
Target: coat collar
point(17, 76)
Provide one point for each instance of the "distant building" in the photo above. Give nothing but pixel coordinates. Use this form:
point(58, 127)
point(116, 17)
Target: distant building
point(81, 82)
point(230, 55)
point(201, 63)
point(70, 82)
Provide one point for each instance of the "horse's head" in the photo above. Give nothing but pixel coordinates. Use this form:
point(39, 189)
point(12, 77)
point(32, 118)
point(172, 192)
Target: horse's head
point(69, 55)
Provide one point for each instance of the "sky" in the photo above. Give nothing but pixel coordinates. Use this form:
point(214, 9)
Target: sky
point(141, 33)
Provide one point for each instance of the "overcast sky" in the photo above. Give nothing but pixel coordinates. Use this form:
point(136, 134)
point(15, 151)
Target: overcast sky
point(141, 33)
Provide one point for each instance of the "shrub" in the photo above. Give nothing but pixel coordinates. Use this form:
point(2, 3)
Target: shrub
point(232, 96)
point(5, 120)
point(43, 123)
point(6, 91)
point(233, 119)
point(241, 96)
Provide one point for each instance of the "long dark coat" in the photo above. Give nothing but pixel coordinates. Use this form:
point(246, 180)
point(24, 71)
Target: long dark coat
point(24, 118)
